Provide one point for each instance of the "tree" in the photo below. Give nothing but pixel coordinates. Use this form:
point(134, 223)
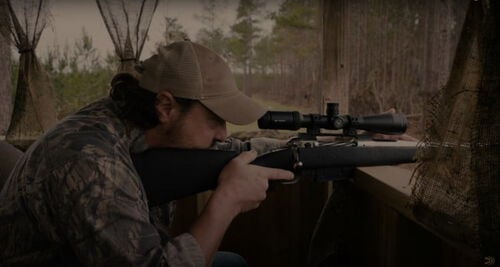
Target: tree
point(85, 56)
point(245, 33)
point(265, 55)
point(291, 52)
point(78, 74)
point(173, 31)
point(212, 34)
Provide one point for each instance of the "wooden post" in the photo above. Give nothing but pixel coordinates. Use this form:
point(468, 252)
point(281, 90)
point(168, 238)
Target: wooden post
point(334, 68)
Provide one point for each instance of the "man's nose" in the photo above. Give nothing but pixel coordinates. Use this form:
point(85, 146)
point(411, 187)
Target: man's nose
point(221, 133)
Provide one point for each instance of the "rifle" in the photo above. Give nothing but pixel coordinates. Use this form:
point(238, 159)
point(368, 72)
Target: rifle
point(168, 173)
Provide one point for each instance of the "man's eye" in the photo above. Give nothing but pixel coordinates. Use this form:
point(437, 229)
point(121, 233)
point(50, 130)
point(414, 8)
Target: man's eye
point(215, 123)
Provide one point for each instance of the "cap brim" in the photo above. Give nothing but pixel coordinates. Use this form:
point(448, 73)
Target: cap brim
point(237, 109)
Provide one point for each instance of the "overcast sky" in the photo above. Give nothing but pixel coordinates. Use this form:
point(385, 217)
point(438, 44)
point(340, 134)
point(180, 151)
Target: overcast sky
point(68, 17)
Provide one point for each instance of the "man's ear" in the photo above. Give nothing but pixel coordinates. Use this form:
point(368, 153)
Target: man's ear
point(165, 104)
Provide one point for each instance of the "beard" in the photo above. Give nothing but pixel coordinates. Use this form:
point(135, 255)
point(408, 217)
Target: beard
point(183, 134)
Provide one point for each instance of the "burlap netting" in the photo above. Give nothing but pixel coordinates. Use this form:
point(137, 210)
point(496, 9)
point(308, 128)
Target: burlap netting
point(34, 106)
point(457, 190)
point(128, 24)
point(5, 69)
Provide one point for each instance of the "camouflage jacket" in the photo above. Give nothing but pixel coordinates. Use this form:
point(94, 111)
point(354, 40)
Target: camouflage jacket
point(75, 198)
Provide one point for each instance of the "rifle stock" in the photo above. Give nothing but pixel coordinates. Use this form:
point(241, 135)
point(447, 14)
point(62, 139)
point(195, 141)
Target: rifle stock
point(169, 174)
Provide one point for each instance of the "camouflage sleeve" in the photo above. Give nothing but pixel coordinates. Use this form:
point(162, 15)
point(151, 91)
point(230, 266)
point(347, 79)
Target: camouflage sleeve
point(260, 144)
point(100, 211)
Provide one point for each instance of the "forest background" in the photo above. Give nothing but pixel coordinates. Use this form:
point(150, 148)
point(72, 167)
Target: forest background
point(283, 64)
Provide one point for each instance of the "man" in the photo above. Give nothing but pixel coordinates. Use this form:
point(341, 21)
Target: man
point(75, 197)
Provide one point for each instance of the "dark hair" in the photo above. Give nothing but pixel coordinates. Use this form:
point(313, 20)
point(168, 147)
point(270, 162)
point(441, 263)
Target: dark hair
point(138, 105)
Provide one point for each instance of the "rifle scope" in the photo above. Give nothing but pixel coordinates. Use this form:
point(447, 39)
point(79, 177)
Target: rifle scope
point(293, 120)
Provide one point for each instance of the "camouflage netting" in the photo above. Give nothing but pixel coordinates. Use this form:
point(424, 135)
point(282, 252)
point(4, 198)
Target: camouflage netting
point(5, 69)
point(128, 24)
point(34, 107)
point(457, 190)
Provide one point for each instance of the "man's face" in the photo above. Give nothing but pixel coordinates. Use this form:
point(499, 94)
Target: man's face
point(196, 127)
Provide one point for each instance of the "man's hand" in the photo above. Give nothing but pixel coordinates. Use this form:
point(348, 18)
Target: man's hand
point(242, 186)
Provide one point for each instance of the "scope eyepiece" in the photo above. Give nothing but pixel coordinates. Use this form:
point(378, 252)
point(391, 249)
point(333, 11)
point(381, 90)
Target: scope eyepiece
point(285, 120)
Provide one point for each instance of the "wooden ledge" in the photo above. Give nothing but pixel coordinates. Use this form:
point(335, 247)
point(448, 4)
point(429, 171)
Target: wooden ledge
point(391, 186)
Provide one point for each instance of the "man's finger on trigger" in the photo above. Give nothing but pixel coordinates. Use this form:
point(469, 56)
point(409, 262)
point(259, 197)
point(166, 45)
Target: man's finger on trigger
point(279, 174)
point(247, 156)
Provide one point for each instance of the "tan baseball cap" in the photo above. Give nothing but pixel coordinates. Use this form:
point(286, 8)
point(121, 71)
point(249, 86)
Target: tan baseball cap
point(192, 71)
